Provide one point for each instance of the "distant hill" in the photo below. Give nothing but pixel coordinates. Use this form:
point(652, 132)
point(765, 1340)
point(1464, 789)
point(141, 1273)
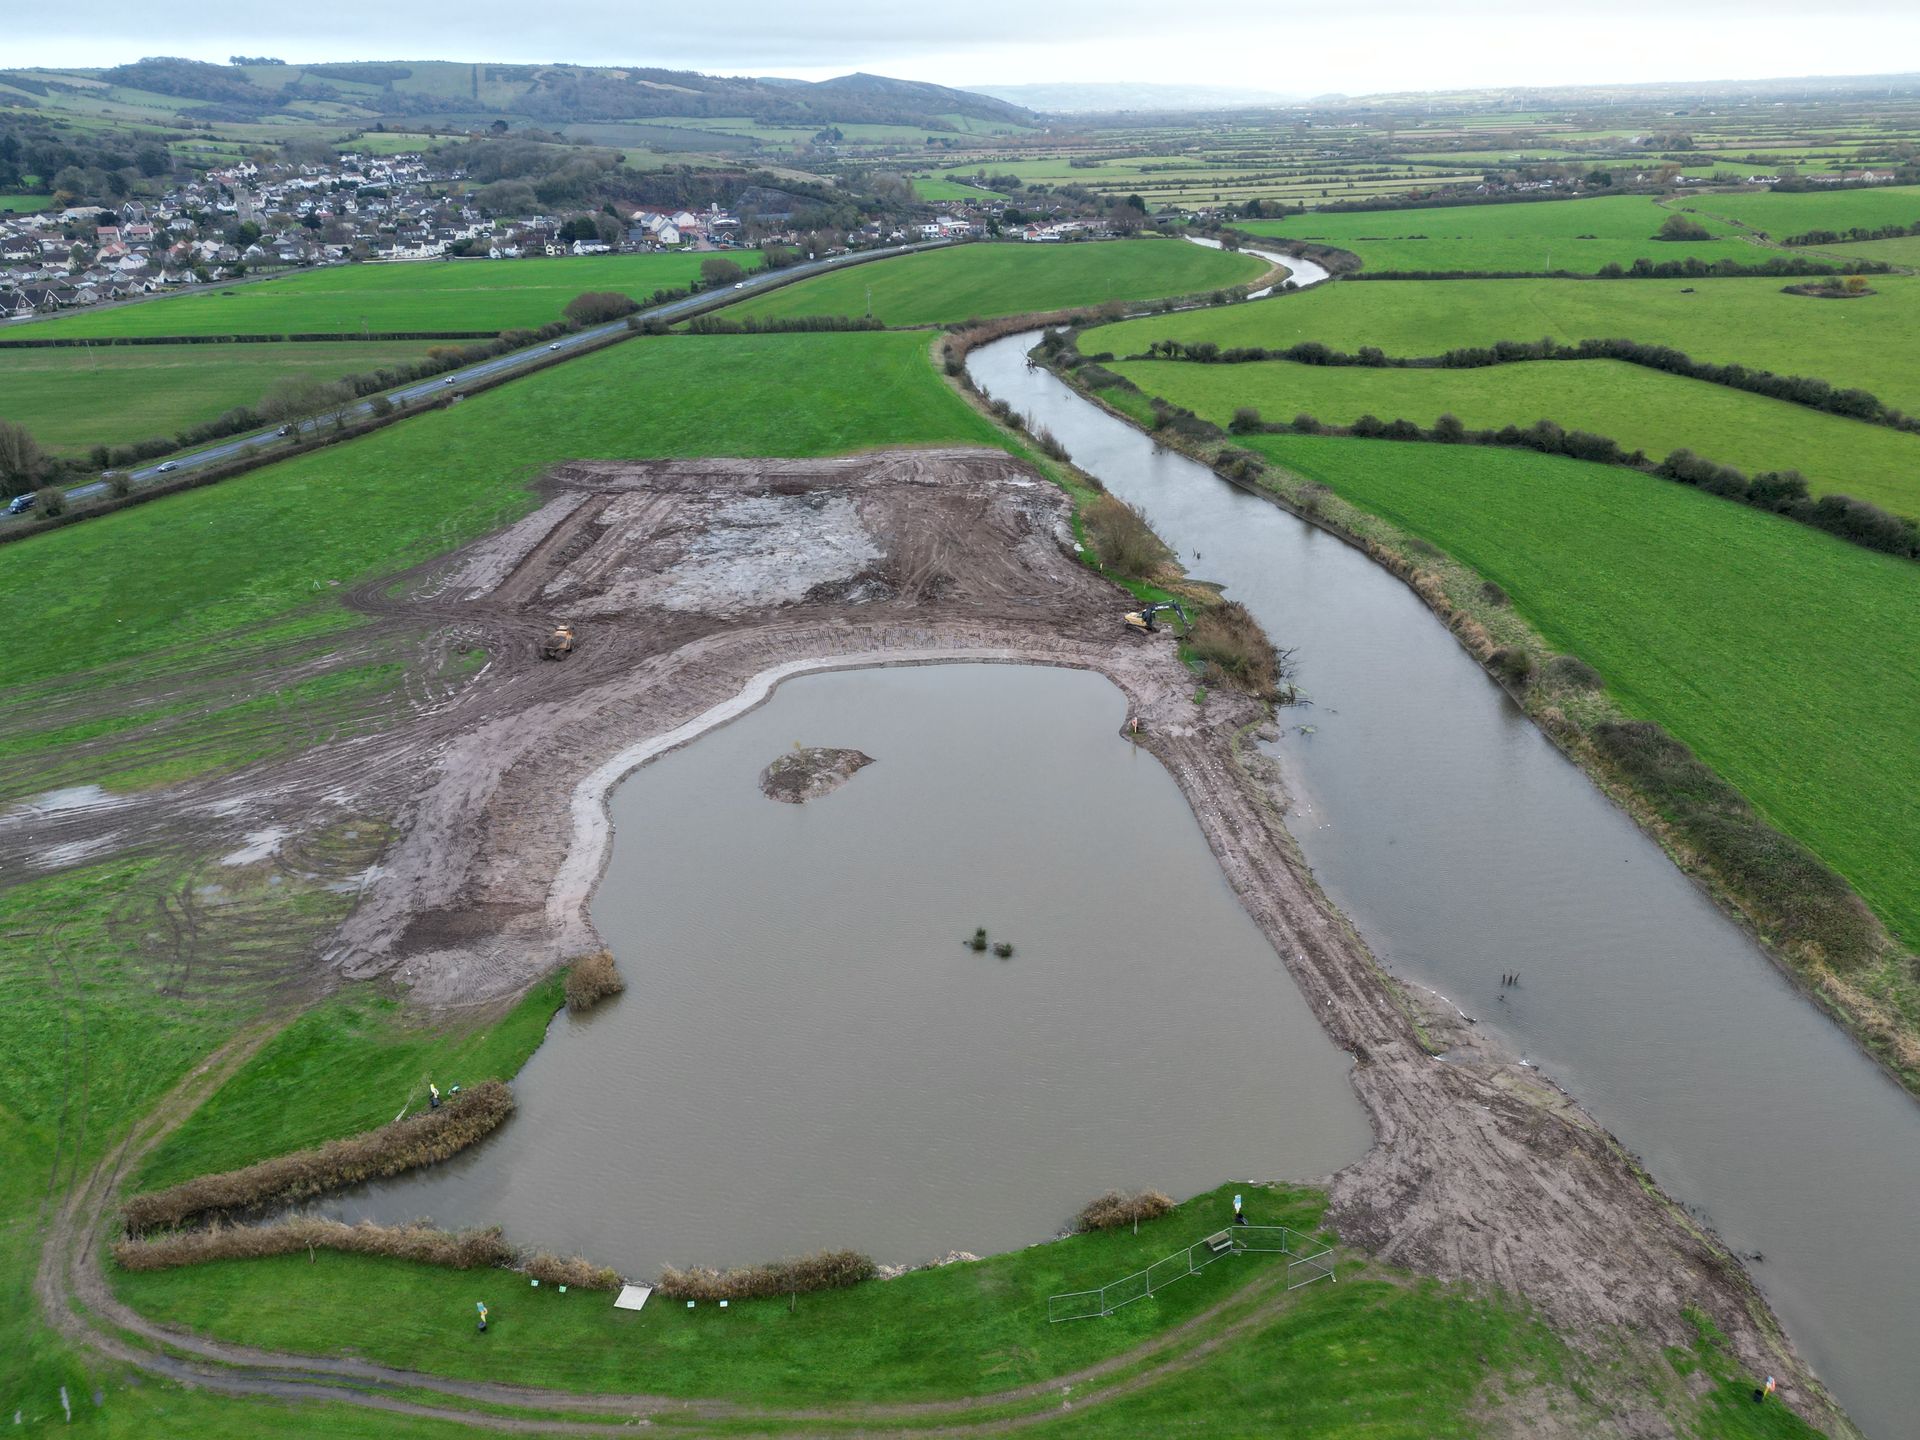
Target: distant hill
point(1078, 99)
point(551, 95)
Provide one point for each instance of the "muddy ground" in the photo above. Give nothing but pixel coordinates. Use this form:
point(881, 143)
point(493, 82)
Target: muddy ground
point(810, 771)
point(693, 587)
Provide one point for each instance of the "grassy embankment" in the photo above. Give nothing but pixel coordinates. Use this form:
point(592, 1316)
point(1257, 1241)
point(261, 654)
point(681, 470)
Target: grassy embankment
point(940, 287)
point(353, 299)
point(110, 395)
point(1574, 235)
point(1642, 409)
point(1866, 342)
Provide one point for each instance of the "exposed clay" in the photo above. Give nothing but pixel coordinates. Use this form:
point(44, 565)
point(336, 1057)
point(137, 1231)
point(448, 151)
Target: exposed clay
point(497, 796)
point(809, 771)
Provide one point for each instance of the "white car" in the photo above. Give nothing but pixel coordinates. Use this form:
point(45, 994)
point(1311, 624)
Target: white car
point(447, 381)
point(740, 285)
point(554, 346)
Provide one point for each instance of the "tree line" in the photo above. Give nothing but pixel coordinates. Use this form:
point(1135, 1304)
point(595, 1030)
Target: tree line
point(1810, 391)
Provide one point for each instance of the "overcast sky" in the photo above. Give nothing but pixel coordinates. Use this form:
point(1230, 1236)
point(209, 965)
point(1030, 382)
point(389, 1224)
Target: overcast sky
point(1357, 47)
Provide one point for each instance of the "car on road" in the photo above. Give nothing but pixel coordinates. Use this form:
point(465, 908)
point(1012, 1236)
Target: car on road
point(22, 503)
point(554, 346)
point(170, 466)
point(447, 381)
point(284, 430)
point(740, 285)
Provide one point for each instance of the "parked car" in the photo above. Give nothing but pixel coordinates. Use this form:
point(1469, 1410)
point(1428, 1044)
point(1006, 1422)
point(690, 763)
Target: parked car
point(22, 503)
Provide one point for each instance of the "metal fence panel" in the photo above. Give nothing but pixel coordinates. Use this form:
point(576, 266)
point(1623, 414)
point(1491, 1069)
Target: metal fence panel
point(1314, 1262)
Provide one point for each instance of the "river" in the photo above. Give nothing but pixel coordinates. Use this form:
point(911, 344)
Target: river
point(1463, 845)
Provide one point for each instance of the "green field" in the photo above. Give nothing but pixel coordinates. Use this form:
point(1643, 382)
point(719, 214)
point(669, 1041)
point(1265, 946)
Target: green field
point(1866, 342)
point(1545, 235)
point(1781, 655)
point(938, 187)
point(939, 287)
point(1642, 409)
point(115, 394)
point(25, 204)
point(413, 295)
point(125, 585)
point(1781, 215)
point(1902, 250)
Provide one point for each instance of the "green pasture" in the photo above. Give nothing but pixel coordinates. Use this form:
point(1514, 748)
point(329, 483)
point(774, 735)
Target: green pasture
point(1867, 342)
point(1781, 215)
point(137, 581)
point(1902, 250)
point(114, 394)
point(1780, 654)
point(349, 1064)
point(26, 204)
point(1008, 278)
point(401, 296)
point(1576, 235)
point(1642, 409)
point(939, 187)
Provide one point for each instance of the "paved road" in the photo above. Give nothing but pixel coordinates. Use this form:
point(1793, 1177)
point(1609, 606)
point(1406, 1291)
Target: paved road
point(519, 359)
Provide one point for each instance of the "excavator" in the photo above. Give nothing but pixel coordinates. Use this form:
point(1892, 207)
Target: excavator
point(1141, 621)
point(559, 644)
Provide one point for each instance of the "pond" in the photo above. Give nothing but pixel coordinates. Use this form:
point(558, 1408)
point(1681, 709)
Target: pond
point(808, 1055)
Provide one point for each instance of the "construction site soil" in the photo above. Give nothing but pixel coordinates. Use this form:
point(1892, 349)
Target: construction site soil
point(693, 588)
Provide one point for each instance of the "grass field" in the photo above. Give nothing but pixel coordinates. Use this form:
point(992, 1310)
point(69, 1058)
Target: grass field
point(126, 585)
point(25, 204)
point(416, 295)
point(1866, 342)
point(350, 1064)
point(938, 187)
point(114, 394)
point(1781, 655)
point(1903, 250)
point(1781, 215)
point(1576, 235)
point(1642, 409)
point(968, 281)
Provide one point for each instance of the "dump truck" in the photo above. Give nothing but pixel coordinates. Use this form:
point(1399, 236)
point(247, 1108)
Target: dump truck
point(559, 644)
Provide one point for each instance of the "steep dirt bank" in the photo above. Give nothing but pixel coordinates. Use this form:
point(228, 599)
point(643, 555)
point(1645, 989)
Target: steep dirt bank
point(693, 587)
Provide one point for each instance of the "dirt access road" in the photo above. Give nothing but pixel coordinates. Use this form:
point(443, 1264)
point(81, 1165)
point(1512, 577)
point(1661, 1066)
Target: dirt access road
point(694, 587)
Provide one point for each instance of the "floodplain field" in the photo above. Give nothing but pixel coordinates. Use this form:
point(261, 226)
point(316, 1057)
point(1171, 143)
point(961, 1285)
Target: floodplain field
point(1865, 342)
point(413, 295)
point(1640, 408)
point(119, 586)
point(965, 282)
point(1783, 213)
point(1779, 654)
point(1580, 236)
point(73, 398)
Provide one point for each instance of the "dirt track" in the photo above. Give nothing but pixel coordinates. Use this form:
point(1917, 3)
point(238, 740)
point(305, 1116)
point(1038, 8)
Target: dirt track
point(694, 587)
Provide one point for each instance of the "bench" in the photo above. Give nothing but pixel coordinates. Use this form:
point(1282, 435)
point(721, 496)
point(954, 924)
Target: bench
point(1219, 1243)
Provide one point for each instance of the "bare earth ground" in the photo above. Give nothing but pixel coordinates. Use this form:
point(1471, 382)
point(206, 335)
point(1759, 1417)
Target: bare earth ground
point(694, 587)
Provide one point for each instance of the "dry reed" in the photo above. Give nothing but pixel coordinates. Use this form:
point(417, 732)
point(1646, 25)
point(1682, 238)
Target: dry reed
point(827, 1270)
point(1117, 1209)
point(407, 1144)
point(591, 979)
point(460, 1250)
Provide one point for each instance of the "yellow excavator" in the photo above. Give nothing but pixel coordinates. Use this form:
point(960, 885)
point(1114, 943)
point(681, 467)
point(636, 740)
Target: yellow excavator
point(1140, 621)
point(559, 644)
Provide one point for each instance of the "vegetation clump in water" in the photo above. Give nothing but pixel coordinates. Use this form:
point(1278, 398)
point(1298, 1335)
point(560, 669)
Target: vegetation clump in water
point(809, 771)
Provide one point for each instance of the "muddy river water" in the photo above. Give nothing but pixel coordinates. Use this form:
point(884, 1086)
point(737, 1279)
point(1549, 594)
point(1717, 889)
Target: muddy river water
point(1464, 845)
point(808, 1055)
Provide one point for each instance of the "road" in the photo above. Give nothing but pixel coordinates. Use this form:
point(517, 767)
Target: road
point(452, 380)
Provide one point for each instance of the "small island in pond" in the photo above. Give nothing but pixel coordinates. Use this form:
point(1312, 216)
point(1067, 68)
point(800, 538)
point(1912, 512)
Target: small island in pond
point(809, 771)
